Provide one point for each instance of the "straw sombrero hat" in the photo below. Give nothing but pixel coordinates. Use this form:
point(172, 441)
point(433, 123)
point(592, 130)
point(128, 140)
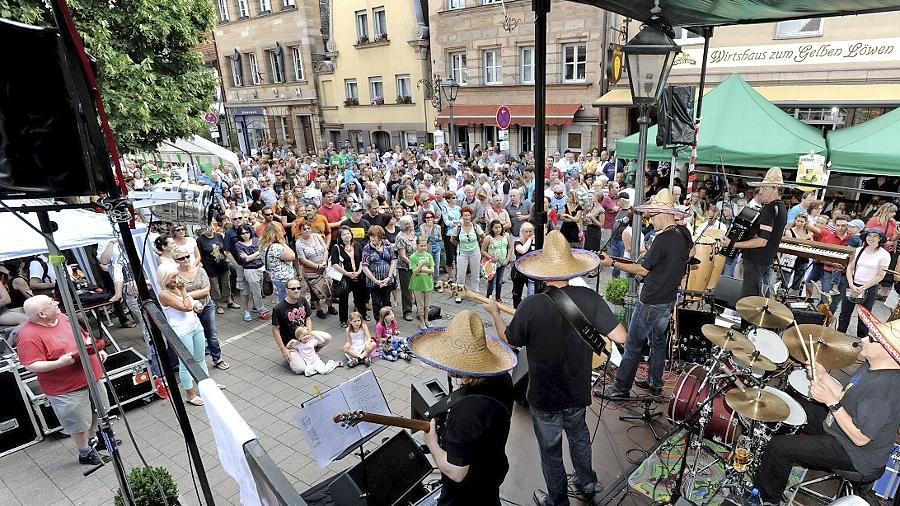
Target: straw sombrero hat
point(556, 260)
point(463, 348)
point(773, 178)
point(662, 202)
point(887, 334)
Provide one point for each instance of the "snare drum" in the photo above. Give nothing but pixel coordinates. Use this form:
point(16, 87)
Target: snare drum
point(769, 344)
point(723, 423)
point(797, 415)
point(799, 382)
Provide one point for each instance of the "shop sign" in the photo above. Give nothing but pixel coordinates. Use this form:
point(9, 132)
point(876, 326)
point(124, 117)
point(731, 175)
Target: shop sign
point(793, 54)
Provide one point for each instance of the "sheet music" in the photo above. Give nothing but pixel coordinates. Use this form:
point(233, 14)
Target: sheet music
point(328, 439)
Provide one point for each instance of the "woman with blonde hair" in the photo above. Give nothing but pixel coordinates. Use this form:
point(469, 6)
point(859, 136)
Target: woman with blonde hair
point(278, 258)
point(198, 286)
point(181, 311)
point(884, 219)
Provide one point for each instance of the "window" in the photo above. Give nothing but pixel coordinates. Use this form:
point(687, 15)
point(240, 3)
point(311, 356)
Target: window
point(490, 135)
point(458, 67)
point(493, 67)
point(410, 140)
point(526, 136)
point(457, 4)
point(237, 74)
point(352, 89)
point(243, 8)
point(376, 87)
point(223, 10)
point(297, 56)
point(798, 28)
point(275, 67)
point(283, 123)
point(265, 6)
point(362, 26)
point(288, 3)
point(527, 70)
point(255, 78)
point(573, 142)
point(380, 22)
point(404, 86)
point(574, 62)
point(685, 36)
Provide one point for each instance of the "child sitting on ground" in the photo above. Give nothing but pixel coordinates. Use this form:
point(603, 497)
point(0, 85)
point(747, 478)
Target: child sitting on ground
point(304, 343)
point(359, 342)
point(387, 338)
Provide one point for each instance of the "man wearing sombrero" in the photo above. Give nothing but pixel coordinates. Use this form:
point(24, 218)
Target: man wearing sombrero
point(849, 427)
point(471, 453)
point(662, 269)
point(759, 251)
point(559, 363)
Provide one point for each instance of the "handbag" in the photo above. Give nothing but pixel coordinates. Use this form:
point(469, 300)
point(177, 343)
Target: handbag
point(340, 287)
point(267, 288)
point(333, 273)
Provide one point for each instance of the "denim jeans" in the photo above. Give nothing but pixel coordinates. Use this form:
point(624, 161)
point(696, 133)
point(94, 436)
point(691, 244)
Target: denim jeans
point(839, 281)
point(548, 429)
point(280, 289)
point(208, 320)
point(649, 323)
point(195, 344)
point(616, 249)
point(497, 282)
point(730, 266)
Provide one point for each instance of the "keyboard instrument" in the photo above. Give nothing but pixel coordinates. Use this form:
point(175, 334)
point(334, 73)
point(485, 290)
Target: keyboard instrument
point(830, 253)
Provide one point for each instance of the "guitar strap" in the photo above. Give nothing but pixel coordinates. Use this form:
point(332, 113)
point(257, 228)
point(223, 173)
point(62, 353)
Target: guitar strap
point(576, 318)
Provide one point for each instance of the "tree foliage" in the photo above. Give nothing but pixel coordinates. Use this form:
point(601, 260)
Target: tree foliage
point(154, 83)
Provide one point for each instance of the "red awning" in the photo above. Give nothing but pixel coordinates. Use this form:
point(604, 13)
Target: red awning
point(523, 114)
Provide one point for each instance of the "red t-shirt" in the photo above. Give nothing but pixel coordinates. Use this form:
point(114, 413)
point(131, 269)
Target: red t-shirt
point(37, 342)
point(333, 214)
point(829, 237)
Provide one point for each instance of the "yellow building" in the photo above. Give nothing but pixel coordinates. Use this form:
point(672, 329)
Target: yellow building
point(369, 84)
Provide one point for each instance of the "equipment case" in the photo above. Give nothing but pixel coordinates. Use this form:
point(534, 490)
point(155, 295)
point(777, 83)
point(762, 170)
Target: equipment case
point(18, 428)
point(129, 374)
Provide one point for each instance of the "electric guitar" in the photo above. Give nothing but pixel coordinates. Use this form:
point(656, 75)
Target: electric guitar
point(351, 418)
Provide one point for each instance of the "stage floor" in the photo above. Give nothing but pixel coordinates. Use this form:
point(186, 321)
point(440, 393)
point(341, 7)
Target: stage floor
point(268, 395)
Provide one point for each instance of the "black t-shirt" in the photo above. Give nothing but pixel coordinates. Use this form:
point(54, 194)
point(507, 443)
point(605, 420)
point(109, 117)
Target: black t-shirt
point(872, 399)
point(474, 435)
point(773, 214)
point(212, 254)
point(559, 361)
point(359, 230)
point(289, 316)
point(569, 229)
point(380, 219)
point(666, 260)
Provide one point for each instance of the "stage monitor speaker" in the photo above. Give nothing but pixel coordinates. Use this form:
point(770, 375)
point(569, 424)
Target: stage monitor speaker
point(18, 428)
point(425, 394)
point(392, 471)
point(50, 140)
point(727, 291)
point(675, 117)
point(808, 315)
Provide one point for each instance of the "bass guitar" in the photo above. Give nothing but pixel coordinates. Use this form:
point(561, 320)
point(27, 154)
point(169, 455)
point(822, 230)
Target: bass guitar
point(460, 290)
point(351, 418)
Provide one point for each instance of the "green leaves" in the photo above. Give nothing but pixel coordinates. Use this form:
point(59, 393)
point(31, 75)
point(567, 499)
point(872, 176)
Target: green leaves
point(155, 86)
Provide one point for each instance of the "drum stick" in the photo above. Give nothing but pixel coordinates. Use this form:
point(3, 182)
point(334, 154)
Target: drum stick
point(812, 357)
point(802, 342)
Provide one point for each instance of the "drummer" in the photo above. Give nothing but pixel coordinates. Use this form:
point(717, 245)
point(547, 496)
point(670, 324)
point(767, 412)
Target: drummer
point(850, 427)
point(662, 269)
point(711, 226)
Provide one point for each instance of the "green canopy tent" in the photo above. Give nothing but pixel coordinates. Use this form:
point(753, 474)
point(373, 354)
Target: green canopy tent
point(868, 148)
point(741, 128)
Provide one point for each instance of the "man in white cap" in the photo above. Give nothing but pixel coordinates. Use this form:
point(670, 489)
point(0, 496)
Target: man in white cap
point(849, 427)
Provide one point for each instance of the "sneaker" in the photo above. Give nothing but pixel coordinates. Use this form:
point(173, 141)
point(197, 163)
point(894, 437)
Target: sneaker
point(352, 362)
point(264, 315)
point(340, 364)
point(610, 393)
point(643, 384)
point(247, 317)
point(321, 314)
point(390, 357)
point(367, 318)
point(93, 459)
point(332, 311)
point(367, 361)
point(423, 326)
point(408, 317)
point(592, 497)
point(406, 356)
point(540, 498)
point(459, 301)
point(344, 325)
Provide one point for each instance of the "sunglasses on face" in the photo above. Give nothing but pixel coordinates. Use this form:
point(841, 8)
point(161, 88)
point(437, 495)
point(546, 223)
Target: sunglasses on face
point(179, 230)
point(292, 288)
point(181, 259)
point(268, 214)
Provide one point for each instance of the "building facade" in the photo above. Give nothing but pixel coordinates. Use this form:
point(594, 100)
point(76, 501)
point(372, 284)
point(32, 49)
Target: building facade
point(827, 72)
point(372, 84)
point(488, 47)
point(267, 52)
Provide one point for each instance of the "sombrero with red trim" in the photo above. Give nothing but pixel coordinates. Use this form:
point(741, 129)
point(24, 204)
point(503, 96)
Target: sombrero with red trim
point(887, 334)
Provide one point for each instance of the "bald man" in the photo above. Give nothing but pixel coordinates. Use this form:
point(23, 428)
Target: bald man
point(47, 348)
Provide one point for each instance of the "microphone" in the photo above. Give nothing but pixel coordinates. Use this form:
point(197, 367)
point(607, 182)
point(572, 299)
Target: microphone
point(857, 344)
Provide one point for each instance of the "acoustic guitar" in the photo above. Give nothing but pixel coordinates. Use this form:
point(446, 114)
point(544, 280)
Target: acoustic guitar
point(351, 418)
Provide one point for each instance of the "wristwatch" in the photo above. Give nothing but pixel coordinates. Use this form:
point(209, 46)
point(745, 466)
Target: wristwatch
point(834, 407)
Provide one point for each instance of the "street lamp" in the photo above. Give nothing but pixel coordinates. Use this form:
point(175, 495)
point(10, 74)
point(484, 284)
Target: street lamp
point(648, 57)
point(450, 88)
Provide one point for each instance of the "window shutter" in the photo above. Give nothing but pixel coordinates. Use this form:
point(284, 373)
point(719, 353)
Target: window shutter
point(279, 60)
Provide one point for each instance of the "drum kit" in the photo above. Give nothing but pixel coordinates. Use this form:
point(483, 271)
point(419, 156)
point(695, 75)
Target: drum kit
point(747, 391)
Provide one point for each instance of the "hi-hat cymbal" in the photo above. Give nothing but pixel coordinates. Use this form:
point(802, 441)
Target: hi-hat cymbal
point(753, 359)
point(757, 404)
point(764, 312)
point(727, 339)
point(833, 349)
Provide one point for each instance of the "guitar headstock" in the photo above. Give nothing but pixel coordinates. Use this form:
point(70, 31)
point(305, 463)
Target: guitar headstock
point(349, 418)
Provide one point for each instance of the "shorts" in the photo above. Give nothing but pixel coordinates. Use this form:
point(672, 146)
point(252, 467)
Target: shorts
point(74, 410)
point(239, 283)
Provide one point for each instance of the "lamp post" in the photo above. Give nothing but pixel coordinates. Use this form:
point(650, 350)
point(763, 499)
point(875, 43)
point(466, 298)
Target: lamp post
point(450, 88)
point(648, 57)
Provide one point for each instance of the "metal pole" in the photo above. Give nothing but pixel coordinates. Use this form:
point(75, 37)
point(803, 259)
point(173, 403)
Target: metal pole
point(672, 171)
point(104, 429)
point(452, 127)
point(643, 124)
point(708, 34)
point(541, 8)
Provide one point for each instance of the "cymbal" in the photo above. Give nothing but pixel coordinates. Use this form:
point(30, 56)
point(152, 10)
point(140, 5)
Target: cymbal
point(727, 339)
point(753, 359)
point(833, 349)
point(757, 404)
point(764, 312)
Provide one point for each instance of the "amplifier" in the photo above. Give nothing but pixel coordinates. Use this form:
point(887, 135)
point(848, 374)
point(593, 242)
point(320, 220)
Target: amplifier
point(129, 375)
point(808, 315)
point(692, 345)
point(41, 406)
point(425, 394)
point(18, 428)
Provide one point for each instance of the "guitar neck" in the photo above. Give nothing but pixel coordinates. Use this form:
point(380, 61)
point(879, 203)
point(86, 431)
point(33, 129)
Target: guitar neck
point(481, 298)
point(394, 421)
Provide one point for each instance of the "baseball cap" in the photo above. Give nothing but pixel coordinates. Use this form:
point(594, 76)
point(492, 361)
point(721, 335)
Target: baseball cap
point(356, 208)
point(858, 224)
point(624, 195)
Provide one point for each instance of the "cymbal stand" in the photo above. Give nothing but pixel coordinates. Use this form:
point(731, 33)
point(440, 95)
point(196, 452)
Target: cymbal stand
point(646, 416)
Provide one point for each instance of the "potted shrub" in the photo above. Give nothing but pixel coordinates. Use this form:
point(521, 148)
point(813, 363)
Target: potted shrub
point(377, 101)
point(404, 99)
point(351, 102)
point(615, 291)
point(145, 490)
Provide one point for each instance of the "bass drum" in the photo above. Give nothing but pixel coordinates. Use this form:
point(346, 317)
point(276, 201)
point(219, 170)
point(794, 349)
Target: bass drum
point(723, 424)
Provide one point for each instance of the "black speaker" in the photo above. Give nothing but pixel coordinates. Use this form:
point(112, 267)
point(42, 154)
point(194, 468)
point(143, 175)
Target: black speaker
point(18, 428)
point(808, 315)
point(675, 116)
point(425, 394)
point(50, 141)
point(727, 291)
point(393, 472)
point(692, 346)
